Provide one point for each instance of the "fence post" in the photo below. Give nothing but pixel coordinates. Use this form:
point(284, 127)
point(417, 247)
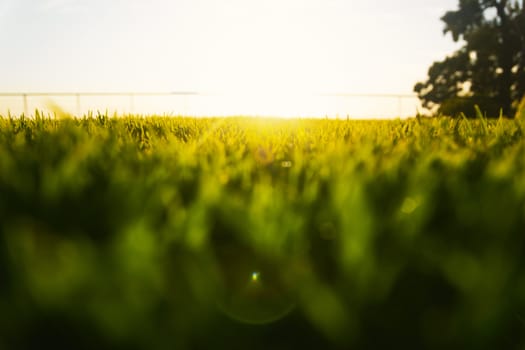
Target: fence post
point(184, 106)
point(131, 103)
point(26, 108)
point(78, 105)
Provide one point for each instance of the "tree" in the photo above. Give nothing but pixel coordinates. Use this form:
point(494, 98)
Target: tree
point(489, 69)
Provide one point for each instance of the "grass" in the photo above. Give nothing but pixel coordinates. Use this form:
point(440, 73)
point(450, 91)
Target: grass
point(149, 232)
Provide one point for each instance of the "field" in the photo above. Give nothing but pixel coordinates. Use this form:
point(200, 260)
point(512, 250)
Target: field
point(134, 232)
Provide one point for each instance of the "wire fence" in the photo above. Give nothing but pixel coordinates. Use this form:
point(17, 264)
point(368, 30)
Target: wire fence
point(188, 103)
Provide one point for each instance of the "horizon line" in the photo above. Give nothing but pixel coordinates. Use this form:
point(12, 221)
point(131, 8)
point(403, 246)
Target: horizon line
point(195, 93)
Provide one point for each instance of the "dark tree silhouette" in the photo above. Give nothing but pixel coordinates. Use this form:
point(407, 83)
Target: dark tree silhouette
point(489, 69)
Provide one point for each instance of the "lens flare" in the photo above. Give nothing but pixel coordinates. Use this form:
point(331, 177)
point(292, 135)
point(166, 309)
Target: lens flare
point(252, 288)
point(255, 276)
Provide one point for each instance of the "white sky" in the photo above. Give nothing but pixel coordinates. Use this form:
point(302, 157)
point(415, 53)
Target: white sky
point(220, 46)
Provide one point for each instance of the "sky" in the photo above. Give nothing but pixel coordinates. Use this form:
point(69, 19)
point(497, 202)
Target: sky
point(294, 48)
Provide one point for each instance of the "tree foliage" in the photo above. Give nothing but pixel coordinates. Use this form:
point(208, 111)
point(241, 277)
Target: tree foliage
point(489, 69)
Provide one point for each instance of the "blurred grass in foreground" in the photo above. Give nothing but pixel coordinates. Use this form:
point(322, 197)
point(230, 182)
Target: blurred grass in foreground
point(235, 233)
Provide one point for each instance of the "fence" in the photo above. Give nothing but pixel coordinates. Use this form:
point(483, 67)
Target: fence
point(214, 104)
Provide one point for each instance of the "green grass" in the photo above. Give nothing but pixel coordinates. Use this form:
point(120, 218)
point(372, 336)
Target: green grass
point(153, 233)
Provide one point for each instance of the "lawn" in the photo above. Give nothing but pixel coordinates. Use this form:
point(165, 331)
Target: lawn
point(144, 232)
